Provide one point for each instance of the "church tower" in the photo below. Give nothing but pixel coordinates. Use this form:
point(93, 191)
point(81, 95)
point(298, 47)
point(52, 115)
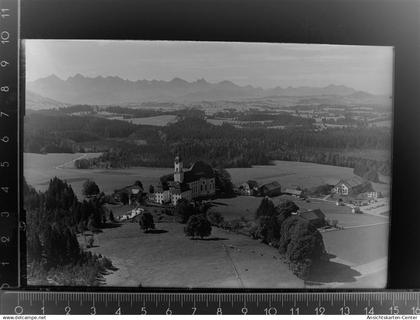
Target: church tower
point(178, 170)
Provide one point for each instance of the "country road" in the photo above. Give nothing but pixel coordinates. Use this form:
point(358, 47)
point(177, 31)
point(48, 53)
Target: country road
point(61, 166)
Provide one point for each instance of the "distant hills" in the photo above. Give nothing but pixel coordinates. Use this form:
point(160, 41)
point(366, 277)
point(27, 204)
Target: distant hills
point(100, 90)
point(35, 101)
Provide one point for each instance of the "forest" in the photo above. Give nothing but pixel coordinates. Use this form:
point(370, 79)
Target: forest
point(193, 138)
point(53, 219)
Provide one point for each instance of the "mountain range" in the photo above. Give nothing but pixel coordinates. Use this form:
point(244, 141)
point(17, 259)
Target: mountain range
point(101, 90)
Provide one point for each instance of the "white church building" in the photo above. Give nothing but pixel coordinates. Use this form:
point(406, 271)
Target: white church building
point(194, 182)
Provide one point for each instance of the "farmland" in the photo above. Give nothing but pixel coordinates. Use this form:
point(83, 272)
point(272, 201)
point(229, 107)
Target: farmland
point(160, 121)
point(292, 173)
point(169, 259)
point(361, 249)
point(163, 256)
point(39, 169)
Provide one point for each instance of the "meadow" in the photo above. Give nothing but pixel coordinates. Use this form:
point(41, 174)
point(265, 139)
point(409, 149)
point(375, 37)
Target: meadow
point(292, 173)
point(40, 168)
point(167, 258)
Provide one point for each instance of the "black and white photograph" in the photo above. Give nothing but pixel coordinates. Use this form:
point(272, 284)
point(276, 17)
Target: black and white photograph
point(193, 164)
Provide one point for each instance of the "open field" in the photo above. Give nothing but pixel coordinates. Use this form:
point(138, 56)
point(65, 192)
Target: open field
point(292, 173)
point(168, 258)
point(246, 206)
point(160, 121)
point(358, 252)
point(39, 169)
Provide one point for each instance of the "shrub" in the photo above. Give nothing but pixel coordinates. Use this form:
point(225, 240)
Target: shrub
point(198, 226)
point(124, 198)
point(287, 207)
point(268, 229)
point(90, 242)
point(266, 208)
point(111, 216)
point(90, 188)
point(215, 218)
point(146, 221)
point(183, 211)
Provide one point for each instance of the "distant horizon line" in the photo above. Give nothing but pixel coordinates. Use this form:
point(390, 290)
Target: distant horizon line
point(53, 75)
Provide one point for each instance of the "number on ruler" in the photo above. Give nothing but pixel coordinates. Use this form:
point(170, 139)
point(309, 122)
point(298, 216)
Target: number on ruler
point(18, 310)
point(270, 311)
point(5, 139)
point(4, 13)
point(5, 214)
point(416, 310)
point(4, 89)
point(4, 63)
point(5, 189)
point(370, 311)
point(319, 310)
point(67, 309)
point(345, 310)
point(4, 286)
point(394, 310)
point(4, 164)
point(5, 239)
point(4, 114)
point(294, 311)
point(4, 36)
point(93, 309)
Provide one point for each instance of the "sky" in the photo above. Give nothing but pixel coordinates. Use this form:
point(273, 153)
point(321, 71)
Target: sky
point(266, 65)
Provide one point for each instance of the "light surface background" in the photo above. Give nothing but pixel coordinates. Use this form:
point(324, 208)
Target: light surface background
point(266, 65)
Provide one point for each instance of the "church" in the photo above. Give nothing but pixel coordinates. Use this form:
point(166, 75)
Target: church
point(192, 183)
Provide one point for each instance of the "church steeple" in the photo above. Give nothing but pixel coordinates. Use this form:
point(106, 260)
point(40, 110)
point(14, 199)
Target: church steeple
point(178, 170)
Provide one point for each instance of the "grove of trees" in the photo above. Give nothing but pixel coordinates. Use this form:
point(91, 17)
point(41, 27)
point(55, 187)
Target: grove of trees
point(90, 188)
point(193, 138)
point(297, 239)
point(53, 218)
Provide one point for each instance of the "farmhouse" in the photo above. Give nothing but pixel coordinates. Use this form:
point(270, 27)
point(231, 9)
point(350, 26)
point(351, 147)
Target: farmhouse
point(270, 189)
point(195, 182)
point(248, 188)
point(352, 187)
point(316, 217)
point(132, 191)
point(294, 192)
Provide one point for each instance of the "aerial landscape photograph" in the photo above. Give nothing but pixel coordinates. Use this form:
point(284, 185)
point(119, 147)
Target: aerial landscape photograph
point(190, 164)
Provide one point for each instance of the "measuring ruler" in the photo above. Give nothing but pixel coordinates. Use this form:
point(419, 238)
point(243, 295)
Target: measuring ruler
point(194, 303)
point(11, 229)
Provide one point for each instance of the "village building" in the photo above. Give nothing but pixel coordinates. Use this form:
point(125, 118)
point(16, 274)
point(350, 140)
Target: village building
point(316, 217)
point(248, 188)
point(192, 183)
point(294, 192)
point(352, 187)
point(161, 196)
point(179, 191)
point(133, 192)
point(270, 189)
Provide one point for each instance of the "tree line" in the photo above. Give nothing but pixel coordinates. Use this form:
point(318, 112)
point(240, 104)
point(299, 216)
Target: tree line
point(53, 219)
point(194, 138)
